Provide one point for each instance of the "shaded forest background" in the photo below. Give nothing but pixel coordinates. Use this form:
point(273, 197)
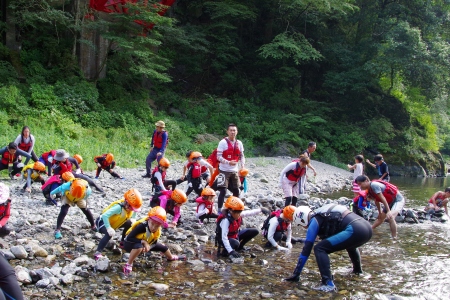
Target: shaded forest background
point(363, 76)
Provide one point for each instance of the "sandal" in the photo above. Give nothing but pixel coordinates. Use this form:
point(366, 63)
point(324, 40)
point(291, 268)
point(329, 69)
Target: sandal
point(127, 269)
point(177, 257)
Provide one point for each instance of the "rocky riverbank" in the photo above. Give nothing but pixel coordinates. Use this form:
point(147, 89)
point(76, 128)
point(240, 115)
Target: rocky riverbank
point(49, 268)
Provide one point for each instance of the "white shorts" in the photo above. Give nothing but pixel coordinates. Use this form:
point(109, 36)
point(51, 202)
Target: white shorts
point(290, 188)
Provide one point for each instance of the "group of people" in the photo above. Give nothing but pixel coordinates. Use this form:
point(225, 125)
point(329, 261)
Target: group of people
point(338, 227)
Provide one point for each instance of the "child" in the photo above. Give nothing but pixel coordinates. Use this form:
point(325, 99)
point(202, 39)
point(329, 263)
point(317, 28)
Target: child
point(10, 159)
point(229, 221)
point(79, 159)
point(106, 162)
point(5, 209)
point(47, 159)
point(243, 179)
point(205, 207)
point(171, 201)
point(382, 167)
point(32, 172)
point(143, 237)
point(54, 182)
point(358, 168)
point(361, 204)
point(117, 215)
point(437, 201)
point(292, 175)
point(74, 192)
point(278, 228)
point(158, 177)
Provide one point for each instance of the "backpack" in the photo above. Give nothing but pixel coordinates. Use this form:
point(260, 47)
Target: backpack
point(213, 159)
point(265, 226)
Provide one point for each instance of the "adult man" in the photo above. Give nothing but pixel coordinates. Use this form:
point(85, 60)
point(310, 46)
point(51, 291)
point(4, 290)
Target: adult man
point(307, 153)
point(157, 147)
point(387, 194)
point(230, 152)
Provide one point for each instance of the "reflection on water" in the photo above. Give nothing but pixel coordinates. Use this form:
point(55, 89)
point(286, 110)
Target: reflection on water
point(416, 266)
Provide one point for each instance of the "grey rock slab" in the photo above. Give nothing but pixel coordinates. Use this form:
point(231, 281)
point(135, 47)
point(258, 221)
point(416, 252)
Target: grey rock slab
point(19, 252)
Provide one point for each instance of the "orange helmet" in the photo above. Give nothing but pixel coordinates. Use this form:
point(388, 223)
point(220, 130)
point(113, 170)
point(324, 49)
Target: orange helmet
point(207, 191)
point(158, 214)
point(195, 155)
point(39, 166)
point(234, 203)
point(134, 199)
point(78, 188)
point(179, 196)
point(288, 212)
point(78, 158)
point(243, 172)
point(109, 158)
point(67, 176)
point(164, 162)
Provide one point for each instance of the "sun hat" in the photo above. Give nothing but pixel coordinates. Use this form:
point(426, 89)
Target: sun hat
point(61, 155)
point(160, 124)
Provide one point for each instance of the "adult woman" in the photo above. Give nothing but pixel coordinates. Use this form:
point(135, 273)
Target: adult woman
point(25, 142)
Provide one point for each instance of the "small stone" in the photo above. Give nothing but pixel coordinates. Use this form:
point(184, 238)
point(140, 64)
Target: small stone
point(50, 258)
point(107, 280)
point(19, 252)
point(67, 279)
point(98, 293)
point(7, 254)
point(82, 260)
point(22, 274)
point(102, 265)
point(43, 283)
point(158, 286)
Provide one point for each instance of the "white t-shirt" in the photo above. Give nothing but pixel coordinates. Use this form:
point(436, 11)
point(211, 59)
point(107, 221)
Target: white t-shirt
point(358, 170)
point(224, 165)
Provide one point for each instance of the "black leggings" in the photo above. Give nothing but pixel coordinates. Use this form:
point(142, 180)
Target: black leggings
point(33, 157)
point(196, 185)
point(221, 198)
point(9, 287)
point(208, 216)
point(357, 232)
point(128, 246)
point(244, 236)
point(65, 210)
point(105, 239)
point(15, 169)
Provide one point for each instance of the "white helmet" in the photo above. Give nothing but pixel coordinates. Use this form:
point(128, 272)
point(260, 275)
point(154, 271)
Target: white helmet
point(4, 193)
point(301, 215)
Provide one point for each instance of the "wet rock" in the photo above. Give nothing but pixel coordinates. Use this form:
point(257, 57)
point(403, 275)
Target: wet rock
point(266, 295)
point(19, 252)
point(203, 239)
point(82, 260)
point(257, 248)
point(44, 273)
point(263, 262)
point(39, 251)
point(67, 279)
point(175, 248)
point(54, 280)
point(8, 254)
point(83, 273)
point(158, 286)
point(99, 293)
point(239, 260)
point(43, 283)
point(107, 280)
point(102, 265)
point(70, 269)
point(22, 274)
point(196, 262)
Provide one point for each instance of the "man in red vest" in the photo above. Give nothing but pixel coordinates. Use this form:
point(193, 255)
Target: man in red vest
point(157, 147)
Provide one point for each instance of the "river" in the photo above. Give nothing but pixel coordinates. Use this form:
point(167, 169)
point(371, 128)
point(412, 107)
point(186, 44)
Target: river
point(415, 266)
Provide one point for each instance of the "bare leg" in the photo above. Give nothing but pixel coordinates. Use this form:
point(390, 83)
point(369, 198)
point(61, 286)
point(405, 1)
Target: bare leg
point(133, 254)
point(379, 220)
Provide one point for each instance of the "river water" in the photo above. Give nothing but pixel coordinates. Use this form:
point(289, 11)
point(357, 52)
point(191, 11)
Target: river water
point(415, 266)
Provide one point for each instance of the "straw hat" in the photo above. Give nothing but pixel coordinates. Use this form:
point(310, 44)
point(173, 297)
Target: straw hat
point(160, 124)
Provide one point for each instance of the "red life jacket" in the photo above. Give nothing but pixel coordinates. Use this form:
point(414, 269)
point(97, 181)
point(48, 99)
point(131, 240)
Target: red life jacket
point(208, 204)
point(195, 169)
point(203, 169)
point(8, 158)
point(296, 174)
point(390, 192)
point(3, 209)
point(157, 139)
point(65, 166)
point(154, 180)
point(46, 154)
point(364, 195)
point(232, 153)
point(24, 146)
point(233, 229)
point(282, 225)
point(212, 159)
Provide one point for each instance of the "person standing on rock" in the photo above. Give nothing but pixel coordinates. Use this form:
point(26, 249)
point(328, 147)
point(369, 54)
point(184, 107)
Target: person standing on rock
point(228, 233)
point(10, 159)
point(386, 194)
point(117, 215)
point(358, 170)
point(160, 138)
point(381, 166)
point(143, 237)
point(291, 176)
point(339, 229)
point(74, 192)
point(25, 142)
point(5, 209)
point(106, 162)
point(230, 152)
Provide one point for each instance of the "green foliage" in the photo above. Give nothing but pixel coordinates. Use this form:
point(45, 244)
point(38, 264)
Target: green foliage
point(43, 97)
point(11, 98)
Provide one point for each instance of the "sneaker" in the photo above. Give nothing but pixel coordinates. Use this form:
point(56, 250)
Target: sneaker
point(127, 269)
point(177, 257)
point(11, 176)
point(146, 176)
point(94, 228)
point(96, 177)
point(18, 175)
point(98, 255)
point(58, 234)
point(326, 288)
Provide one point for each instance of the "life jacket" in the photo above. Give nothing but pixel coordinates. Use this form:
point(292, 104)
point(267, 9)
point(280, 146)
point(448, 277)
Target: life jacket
point(282, 224)
point(118, 220)
point(296, 174)
point(34, 175)
point(148, 236)
point(3, 209)
point(54, 178)
point(46, 154)
point(154, 180)
point(212, 159)
point(208, 204)
point(232, 153)
point(390, 192)
point(329, 220)
point(233, 229)
point(194, 170)
point(170, 204)
point(203, 169)
point(157, 139)
point(64, 166)
point(8, 158)
point(439, 198)
point(366, 201)
point(25, 146)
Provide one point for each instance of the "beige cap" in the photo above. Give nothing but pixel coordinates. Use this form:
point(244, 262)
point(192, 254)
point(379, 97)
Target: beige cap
point(160, 124)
